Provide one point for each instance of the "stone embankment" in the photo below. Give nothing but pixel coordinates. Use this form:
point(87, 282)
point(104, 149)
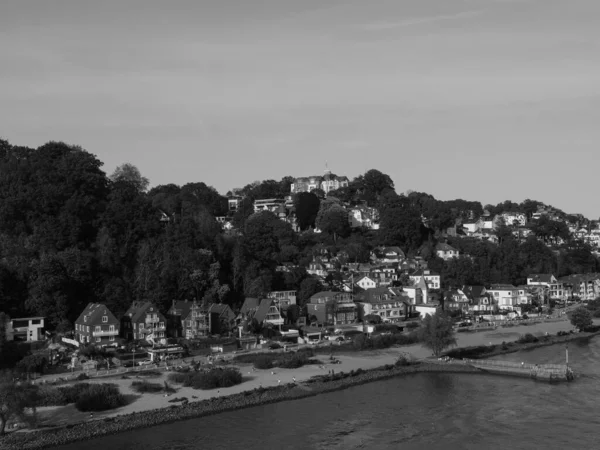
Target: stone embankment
point(189, 410)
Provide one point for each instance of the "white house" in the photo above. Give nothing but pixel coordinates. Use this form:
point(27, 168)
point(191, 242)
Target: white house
point(366, 282)
point(446, 251)
point(432, 279)
point(505, 295)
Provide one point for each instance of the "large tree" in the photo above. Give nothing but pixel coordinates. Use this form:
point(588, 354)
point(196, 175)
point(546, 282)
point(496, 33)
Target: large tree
point(581, 318)
point(436, 332)
point(129, 173)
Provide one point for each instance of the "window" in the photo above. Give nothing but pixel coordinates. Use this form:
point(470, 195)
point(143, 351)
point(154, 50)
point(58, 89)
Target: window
point(104, 319)
point(87, 328)
point(141, 326)
point(98, 339)
point(111, 328)
point(162, 324)
point(97, 328)
point(85, 318)
point(112, 338)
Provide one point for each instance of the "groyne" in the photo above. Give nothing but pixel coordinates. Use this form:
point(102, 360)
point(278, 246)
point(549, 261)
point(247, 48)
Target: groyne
point(189, 410)
point(542, 372)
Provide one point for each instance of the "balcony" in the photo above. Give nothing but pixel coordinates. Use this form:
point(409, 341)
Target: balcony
point(152, 320)
point(105, 333)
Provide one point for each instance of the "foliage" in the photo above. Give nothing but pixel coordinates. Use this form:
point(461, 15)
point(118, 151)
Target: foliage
point(263, 362)
point(14, 399)
point(100, 397)
point(306, 206)
point(436, 333)
point(527, 339)
point(212, 379)
point(142, 387)
point(35, 363)
point(581, 318)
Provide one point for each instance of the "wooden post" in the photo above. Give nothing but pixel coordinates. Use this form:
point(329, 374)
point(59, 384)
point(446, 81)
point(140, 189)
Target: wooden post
point(567, 353)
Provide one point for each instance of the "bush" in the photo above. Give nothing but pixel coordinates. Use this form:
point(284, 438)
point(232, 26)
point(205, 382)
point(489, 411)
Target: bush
point(100, 397)
point(412, 325)
point(294, 361)
point(263, 362)
point(402, 361)
point(527, 339)
point(144, 386)
point(212, 379)
point(82, 376)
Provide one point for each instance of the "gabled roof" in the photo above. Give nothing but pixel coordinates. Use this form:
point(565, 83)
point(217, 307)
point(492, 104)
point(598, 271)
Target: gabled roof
point(250, 306)
point(263, 309)
point(94, 312)
point(443, 247)
point(137, 311)
point(541, 277)
point(502, 287)
point(421, 273)
point(181, 308)
point(222, 310)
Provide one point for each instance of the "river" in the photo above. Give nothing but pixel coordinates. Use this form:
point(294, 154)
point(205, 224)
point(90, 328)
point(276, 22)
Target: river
point(433, 411)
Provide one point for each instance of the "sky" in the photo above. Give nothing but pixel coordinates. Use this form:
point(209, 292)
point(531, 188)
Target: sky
point(486, 100)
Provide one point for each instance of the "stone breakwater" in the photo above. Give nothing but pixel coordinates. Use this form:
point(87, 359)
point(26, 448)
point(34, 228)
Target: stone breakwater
point(318, 385)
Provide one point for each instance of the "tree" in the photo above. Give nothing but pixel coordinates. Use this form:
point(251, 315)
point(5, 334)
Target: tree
point(293, 314)
point(3, 321)
point(333, 220)
point(14, 398)
point(129, 173)
point(436, 332)
point(309, 287)
point(307, 207)
point(581, 318)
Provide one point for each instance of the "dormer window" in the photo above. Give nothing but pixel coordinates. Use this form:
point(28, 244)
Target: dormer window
point(104, 319)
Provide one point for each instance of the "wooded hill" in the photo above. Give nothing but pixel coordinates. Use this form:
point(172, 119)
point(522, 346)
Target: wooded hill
point(70, 234)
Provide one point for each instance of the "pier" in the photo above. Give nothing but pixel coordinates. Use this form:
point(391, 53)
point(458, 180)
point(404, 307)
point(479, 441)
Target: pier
point(542, 372)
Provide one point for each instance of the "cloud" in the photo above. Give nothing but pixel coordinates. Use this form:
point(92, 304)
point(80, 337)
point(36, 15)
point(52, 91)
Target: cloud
point(379, 26)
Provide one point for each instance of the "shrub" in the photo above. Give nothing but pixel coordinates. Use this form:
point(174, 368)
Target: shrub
point(82, 376)
point(212, 379)
point(527, 339)
point(294, 361)
point(100, 397)
point(403, 361)
point(144, 386)
point(263, 362)
point(412, 325)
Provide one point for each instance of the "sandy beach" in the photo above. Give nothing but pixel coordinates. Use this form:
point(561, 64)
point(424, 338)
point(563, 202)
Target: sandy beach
point(254, 378)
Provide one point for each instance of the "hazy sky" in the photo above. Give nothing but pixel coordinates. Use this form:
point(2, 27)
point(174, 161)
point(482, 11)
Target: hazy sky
point(484, 100)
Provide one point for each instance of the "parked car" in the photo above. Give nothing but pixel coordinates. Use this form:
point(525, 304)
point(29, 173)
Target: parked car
point(145, 363)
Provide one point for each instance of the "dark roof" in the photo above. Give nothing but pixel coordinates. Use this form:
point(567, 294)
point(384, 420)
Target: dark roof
point(442, 246)
point(263, 309)
point(473, 291)
point(181, 308)
point(541, 277)
point(94, 311)
point(138, 310)
point(222, 310)
point(250, 306)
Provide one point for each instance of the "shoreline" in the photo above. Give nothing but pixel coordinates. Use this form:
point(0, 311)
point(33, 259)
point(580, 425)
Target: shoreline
point(41, 439)
point(245, 396)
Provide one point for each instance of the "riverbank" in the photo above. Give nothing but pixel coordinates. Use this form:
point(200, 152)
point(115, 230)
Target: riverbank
point(215, 405)
point(74, 425)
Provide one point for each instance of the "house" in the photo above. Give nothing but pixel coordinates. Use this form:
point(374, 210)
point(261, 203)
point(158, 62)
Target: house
point(582, 286)
point(27, 329)
point(504, 295)
point(316, 267)
point(391, 304)
point(511, 218)
point(221, 318)
point(328, 182)
point(366, 282)
point(283, 299)
point(332, 308)
point(97, 325)
point(553, 286)
point(387, 255)
point(233, 202)
point(480, 301)
point(456, 300)
point(384, 275)
point(418, 292)
point(188, 319)
point(363, 217)
point(269, 204)
point(445, 251)
point(265, 311)
point(143, 321)
point(432, 279)
point(471, 227)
